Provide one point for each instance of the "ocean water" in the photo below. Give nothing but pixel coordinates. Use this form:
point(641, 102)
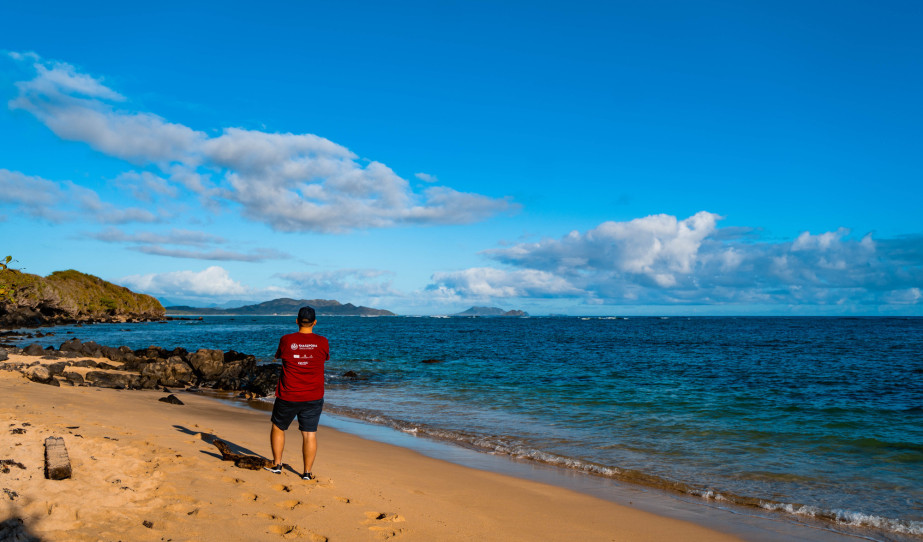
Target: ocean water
point(813, 417)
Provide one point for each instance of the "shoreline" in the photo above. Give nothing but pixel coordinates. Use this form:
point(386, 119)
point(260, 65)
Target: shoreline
point(847, 523)
point(606, 487)
point(574, 474)
point(513, 500)
point(142, 471)
point(747, 522)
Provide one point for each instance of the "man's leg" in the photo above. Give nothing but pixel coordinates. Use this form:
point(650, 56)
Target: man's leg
point(309, 449)
point(277, 442)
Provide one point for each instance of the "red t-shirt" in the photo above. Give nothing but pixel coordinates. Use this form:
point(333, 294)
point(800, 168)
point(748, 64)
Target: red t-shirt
point(303, 356)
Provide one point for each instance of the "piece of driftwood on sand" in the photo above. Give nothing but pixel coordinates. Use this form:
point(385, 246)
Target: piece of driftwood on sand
point(244, 461)
point(57, 464)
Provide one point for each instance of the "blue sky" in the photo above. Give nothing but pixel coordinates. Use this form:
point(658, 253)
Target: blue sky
point(555, 157)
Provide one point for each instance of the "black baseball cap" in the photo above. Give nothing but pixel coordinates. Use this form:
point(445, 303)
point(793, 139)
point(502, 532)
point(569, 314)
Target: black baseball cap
point(306, 314)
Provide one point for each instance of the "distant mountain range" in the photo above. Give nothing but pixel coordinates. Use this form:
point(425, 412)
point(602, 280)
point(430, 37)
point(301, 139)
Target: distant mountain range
point(490, 311)
point(285, 306)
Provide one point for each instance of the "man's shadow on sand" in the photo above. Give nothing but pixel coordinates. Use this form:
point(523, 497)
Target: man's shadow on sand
point(15, 529)
point(236, 448)
point(211, 438)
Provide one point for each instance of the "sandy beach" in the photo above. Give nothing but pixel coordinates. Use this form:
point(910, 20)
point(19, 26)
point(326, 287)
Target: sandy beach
point(146, 470)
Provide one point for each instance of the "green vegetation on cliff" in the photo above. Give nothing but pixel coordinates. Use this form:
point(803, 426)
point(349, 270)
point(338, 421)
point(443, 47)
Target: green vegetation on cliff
point(5, 292)
point(71, 296)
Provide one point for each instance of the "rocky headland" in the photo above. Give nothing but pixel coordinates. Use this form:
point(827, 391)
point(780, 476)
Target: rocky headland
point(70, 296)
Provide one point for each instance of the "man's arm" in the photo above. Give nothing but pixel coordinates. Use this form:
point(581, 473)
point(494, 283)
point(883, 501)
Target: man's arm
point(279, 350)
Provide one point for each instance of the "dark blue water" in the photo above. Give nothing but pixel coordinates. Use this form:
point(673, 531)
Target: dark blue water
point(814, 416)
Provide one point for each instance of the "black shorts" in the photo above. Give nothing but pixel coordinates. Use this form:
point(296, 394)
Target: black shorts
point(308, 412)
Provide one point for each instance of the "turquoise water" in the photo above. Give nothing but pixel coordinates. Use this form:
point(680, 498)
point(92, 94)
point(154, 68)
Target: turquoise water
point(813, 416)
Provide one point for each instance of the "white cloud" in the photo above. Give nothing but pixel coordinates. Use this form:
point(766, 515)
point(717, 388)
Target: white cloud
point(139, 138)
point(78, 107)
point(33, 195)
point(426, 177)
point(199, 183)
point(258, 255)
point(60, 201)
point(250, 151)
point(445, 205)
point(910, 296)
point(62, 78)
point(153, 243)
point(105, 212)
point(660, 259)
point(486, 283)
point(144, 185)
point(343, 284)
point(173, 237)
point(657, 249)
point(292, 182)
point(212, 282)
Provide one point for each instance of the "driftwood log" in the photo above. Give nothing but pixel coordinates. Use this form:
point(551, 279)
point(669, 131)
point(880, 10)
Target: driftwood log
point(252, 462)
point(57, 464)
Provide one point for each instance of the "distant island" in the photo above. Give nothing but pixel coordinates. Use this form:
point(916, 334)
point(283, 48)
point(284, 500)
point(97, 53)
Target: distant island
point(284, 306)
point(490, 311)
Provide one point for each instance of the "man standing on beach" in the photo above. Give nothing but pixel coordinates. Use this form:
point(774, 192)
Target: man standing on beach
point(300, 391)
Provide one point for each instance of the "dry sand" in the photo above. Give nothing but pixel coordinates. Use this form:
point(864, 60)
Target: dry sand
point(144, 470)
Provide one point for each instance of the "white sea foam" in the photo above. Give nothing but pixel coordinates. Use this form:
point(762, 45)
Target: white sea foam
point(845, 517)
point(709, 494)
